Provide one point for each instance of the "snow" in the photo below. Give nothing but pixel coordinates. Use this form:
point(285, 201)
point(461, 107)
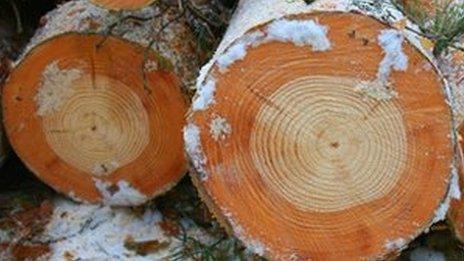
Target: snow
point(205, 96)
point(239, 50)
point(219, 128)
point(150, 66)
point(72, 195)
point(395, 59)
point(124, 194)
point(55, 88)
point(253, 245)
point(391, 41)
point(91, 232)
point(454, 192)
point(301, 33)
point(425, 254)
point(193, 148)
point(397, 244)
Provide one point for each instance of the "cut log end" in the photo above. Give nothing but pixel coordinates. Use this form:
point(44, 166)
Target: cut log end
point(314, 123)
point(118, 5)
point(93, 127)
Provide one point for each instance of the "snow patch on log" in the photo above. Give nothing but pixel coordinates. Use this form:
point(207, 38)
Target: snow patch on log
point(219, 128)
point(454, 192)
point(395, 245)
point(395, 59)
point(205, 95)
point(250, 14)
point(255, 12)
point(194, 149)
point(239, 50)
point(56, 88)
point(252, 245)
point(91, 232)
point(425, 254)
point(300, 33)
point(150, 66)
point(391, 41)
point(120, 194)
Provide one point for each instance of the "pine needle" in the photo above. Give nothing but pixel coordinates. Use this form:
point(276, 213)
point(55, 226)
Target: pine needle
point(446, 26)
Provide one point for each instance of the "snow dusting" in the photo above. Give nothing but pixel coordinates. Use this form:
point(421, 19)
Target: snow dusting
point(55, 88)
point(193, 148)
point(205, 95)
point(252, 245)
point(239, 50)
point(395, 59)
point(454, 192)
point(219, 128)
point(397, 244)
point(91, 232)
point(391, 41)
point(301, 33)
point(72, 195)
point(121, 194)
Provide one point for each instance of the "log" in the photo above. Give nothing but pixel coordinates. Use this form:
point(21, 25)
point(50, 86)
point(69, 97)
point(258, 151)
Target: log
point(320, 132)
point(97, 113)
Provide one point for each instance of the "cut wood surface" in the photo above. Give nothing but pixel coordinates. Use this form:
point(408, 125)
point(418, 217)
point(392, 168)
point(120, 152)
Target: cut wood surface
point(99, 117)
point(312, 138)
point(123, 4)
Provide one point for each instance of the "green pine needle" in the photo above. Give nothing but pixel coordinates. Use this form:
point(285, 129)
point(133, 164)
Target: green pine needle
point(446, 26)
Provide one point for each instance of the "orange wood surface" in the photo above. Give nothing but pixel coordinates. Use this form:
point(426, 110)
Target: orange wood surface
point(257, 214)
point(157, 167)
